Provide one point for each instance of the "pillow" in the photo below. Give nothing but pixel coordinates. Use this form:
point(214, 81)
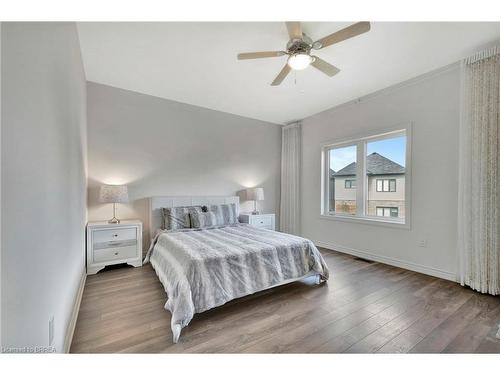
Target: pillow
point(203, 219)
point(178, 217)
point(225, 213)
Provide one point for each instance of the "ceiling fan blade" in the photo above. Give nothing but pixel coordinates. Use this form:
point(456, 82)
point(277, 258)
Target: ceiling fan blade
point(294, 30)
point(324, 67)
point(281, 76)
point(259, 55)
point(339, 36)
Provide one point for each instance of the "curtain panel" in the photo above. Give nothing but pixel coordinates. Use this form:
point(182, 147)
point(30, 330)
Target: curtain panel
point(479, 173)
point(290, 178)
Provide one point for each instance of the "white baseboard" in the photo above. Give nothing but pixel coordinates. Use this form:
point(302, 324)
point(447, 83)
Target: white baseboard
point(388, 260)
point(74, 315)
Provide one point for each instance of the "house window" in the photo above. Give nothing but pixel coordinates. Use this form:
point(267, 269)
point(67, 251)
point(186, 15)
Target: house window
point(386, 185)
point(387, 211)
point(350, 184)
point(359, 174)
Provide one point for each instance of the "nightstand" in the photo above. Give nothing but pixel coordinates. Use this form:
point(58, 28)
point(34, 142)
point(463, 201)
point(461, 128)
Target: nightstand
point(265, 221)
point(109, 244)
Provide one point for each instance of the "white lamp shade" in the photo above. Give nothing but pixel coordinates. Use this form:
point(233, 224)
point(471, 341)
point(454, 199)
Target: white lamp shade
point(255, 194)
point(113, 194)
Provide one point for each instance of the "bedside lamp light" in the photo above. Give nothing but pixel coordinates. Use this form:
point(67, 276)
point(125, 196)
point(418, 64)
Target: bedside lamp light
point(255, 194)
point(113, 194)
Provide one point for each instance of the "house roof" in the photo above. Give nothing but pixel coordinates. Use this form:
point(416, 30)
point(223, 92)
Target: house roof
point(376, 164)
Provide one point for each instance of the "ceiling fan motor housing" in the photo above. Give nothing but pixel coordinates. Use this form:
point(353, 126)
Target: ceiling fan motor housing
point(303, 45)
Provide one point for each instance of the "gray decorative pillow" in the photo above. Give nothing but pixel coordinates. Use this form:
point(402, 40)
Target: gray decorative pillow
point(225, 213)
point(178, 217)
point(203, 219)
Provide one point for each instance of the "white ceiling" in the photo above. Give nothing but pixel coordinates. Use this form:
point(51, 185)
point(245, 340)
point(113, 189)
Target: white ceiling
point(196, 63)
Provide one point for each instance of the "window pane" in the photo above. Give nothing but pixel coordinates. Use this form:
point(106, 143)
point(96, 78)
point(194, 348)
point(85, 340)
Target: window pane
point(386, 185)
point(350, 184)
point(385, 176)
point(342, 185)
point(392, 185)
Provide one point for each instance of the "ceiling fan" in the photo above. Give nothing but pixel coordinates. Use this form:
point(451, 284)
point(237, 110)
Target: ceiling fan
point(299, 49)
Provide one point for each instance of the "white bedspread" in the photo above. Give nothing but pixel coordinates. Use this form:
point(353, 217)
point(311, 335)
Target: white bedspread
point(202, 269)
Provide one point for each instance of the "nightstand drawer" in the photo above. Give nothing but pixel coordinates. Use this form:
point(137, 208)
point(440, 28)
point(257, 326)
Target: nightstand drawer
point(107, 235)
point(104, 255)
point(261, 221)
point(114, 244)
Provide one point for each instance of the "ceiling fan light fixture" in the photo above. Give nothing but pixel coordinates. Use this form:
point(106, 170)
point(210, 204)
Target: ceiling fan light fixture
point(299, 61)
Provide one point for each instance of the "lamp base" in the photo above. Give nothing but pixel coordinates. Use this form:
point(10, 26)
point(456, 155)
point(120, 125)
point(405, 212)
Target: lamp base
point(114, 220)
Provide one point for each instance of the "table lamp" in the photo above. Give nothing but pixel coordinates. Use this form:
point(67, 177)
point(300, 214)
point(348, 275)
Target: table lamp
point(113, 194)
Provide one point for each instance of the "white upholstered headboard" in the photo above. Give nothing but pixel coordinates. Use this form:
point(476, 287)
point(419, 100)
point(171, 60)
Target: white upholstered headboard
point(157, 203)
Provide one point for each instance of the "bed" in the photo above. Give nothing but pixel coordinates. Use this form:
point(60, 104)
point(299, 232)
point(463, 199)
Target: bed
point(202, 268)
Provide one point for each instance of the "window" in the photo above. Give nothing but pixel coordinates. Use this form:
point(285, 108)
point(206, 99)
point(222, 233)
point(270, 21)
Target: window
point(367, 178)
point(386, 185)
point(387, 211)
point(350, 184)
point(342, 187)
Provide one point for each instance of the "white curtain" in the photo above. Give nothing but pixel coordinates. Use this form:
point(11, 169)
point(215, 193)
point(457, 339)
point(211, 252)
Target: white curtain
point(479, 173)
point(290, 178)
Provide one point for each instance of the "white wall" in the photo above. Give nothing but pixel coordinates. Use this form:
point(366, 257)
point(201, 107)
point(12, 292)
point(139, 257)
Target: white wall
point(43, 180)
point(432, 104)
point(161, 147)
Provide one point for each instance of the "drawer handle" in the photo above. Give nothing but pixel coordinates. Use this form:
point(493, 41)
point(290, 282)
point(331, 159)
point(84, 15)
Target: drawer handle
point(115, 235)
point(116, 253)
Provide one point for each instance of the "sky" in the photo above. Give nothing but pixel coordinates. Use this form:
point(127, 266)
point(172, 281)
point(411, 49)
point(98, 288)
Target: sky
point(392, 148)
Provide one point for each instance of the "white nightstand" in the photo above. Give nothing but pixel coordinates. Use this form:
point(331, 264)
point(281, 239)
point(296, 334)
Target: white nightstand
point(113, 244)
point(265, 221)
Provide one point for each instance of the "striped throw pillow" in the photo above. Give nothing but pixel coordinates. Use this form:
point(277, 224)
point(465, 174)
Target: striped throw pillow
point(178, 217)
point(225, 213)
point(203, 219)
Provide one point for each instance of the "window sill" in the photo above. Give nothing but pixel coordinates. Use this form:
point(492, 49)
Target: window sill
point(368, 221)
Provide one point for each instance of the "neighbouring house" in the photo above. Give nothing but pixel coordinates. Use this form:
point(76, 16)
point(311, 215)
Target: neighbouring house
point(385, 189)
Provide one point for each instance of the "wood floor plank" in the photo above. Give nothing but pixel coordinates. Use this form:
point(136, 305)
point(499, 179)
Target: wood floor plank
point(341, 318)
point(365, 307)
point(405, 307)
point(439, 338)
point(443, 304)
point(472, 335)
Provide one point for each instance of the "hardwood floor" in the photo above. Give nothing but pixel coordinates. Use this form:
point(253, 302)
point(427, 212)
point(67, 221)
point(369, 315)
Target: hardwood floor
point(366, 307)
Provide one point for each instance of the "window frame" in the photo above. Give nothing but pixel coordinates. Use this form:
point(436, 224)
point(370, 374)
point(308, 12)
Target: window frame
point(350, 180)
point(388, 185)
point(383, 208)
point(360, 141)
